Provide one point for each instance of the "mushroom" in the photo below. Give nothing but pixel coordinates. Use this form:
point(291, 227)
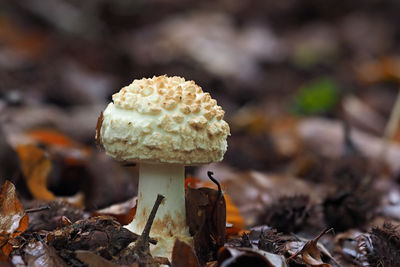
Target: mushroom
point(164, 124)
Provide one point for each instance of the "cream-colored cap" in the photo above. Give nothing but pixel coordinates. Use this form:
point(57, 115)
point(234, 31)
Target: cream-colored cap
point(164, 119)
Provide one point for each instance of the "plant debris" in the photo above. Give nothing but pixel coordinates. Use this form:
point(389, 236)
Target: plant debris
point(309, 89)
point(13, 219)
point(382, 245)
point(140, 250)
point(289, 214)
point(101, 235)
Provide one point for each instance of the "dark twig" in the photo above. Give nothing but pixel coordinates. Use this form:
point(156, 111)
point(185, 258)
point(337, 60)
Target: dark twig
point(210, 173)
point(142, 244)
point(129, 165)
point(37, 209)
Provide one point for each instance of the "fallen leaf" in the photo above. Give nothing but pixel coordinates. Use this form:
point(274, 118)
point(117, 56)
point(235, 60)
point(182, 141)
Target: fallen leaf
point(51, 137)
point(206, 218)
point(13, 220)
point(310, 252)
point(101, 235)
point(36, 168)
point(347, 245)
point(39, 254)
point(52, 218)
point(71, 152)
point(252, 191)
point(94, 260)
point(383, 69)
point(228, 256)
point(12, 212)
point(183, 255)
point(235, 221)
point(317, 97)
point(27, 43)
point(122, 212)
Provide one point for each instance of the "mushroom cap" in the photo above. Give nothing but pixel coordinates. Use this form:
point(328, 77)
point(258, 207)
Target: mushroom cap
point(164, 120)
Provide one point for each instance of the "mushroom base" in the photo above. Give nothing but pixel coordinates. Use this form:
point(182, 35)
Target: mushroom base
point(170, 221)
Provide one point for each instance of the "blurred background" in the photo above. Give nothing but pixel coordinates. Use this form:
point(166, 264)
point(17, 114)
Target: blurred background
point(289, 74)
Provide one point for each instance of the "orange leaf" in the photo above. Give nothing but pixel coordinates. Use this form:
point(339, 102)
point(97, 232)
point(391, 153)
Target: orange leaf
point(36, 168)
point(28, 43)
point(123, 212)
point(72, 152)
point(233, 216)
point(51, 137)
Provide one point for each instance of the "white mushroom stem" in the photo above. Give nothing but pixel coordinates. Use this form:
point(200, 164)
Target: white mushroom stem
point(170, 221)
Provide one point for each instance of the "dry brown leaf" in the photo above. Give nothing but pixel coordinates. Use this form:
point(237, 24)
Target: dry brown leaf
point(310, 252)
point(94, 260)
point(183, 255)
point(252, 191)
point(39, 254)
point(235, 221)
point(206, 218)
point(13, 220)
point(123, 212)
point(36, 168)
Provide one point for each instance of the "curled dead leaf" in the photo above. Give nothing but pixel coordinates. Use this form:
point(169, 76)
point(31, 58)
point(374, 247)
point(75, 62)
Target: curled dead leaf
point(206, 218)
point(39, 254)
point(122, 212)
point(310, 253)
point(183, 255)
point(94, 260)
point(234, 219)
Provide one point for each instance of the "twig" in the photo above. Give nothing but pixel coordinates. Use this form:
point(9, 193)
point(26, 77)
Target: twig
point(210, 173)
point(142, 244)
point(129, 165)
point(37, 209)
point(219, 197)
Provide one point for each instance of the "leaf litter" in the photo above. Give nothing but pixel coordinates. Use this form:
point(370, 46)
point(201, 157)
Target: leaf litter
point(285, 177)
